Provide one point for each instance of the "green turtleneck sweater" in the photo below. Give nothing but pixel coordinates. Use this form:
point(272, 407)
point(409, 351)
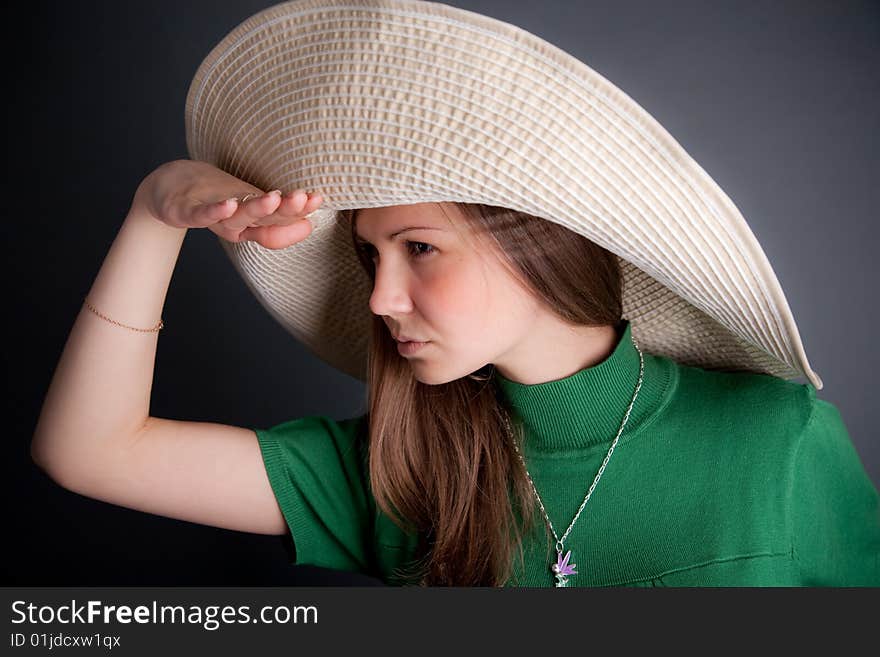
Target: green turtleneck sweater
point(718, 479)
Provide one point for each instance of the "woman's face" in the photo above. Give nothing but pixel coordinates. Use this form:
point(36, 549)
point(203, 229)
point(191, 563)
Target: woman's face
point(436, 284)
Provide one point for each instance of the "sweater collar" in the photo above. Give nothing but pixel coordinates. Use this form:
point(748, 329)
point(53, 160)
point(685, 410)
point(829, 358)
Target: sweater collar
point(587, 407)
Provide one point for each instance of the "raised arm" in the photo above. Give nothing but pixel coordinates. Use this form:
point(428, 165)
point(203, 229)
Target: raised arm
point(95, 434)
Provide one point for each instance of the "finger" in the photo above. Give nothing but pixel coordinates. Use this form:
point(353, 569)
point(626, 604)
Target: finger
point(251, 210)
point(220, 230)
point(293, 207)
point(275, 219)
point(299, 203)
point(205, 214)
point(292, 204)
point(279, 237)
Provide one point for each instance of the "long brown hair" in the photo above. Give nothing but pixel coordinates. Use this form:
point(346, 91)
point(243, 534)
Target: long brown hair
point(440, 461)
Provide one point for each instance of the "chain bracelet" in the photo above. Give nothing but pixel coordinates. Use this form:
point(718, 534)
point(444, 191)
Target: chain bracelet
point(156, 328)
point(161, 324)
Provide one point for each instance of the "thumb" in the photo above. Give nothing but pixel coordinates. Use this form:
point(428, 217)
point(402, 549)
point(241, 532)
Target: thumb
point(276, 236)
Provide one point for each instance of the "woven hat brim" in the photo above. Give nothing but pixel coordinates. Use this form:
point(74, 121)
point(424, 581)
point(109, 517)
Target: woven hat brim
point(391, 102)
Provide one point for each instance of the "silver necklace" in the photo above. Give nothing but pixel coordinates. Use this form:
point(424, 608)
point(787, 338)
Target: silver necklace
point(562, 568)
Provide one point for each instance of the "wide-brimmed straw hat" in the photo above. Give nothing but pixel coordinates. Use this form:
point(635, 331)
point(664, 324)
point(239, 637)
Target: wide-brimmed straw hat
point(394, 102)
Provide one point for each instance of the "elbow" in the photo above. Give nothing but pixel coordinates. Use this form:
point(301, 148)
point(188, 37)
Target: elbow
point(37, 455)
point(55, 468)
point(41, 458)
point(42, 443)
point(65, 477)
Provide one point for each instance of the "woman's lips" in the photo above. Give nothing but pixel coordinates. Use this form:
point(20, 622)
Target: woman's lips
point(409, 348)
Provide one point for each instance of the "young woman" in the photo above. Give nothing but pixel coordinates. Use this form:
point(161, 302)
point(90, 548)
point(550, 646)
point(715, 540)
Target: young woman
point(509, 320)
point(575, 351)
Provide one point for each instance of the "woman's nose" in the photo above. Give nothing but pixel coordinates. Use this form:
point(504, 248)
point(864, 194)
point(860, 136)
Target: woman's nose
point(390, 295)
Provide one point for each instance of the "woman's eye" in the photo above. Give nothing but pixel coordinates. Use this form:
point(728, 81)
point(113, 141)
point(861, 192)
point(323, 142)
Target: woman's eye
point(417, 249)
point(417, 252)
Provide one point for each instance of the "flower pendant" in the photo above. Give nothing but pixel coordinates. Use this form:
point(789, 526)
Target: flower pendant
point(562, 568)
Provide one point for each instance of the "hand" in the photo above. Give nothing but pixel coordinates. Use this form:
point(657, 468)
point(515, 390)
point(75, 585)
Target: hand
point(193, 194)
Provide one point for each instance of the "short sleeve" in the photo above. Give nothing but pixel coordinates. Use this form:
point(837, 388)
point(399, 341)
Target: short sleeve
point(315, 467)
point(835, 510)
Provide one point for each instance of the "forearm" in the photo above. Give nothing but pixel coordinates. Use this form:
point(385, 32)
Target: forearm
point(101, 387)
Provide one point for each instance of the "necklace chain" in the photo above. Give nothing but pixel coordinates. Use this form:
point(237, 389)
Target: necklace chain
point(560, 541)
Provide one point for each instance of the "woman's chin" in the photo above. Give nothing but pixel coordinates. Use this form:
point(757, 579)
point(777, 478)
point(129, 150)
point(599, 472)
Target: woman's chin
point(424, 375)
point(431, 375)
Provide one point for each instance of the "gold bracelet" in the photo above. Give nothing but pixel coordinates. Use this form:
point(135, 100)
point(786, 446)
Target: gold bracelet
point(158, 326)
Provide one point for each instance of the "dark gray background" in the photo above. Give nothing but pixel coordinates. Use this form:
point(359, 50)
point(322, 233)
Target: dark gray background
point(778, 101)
